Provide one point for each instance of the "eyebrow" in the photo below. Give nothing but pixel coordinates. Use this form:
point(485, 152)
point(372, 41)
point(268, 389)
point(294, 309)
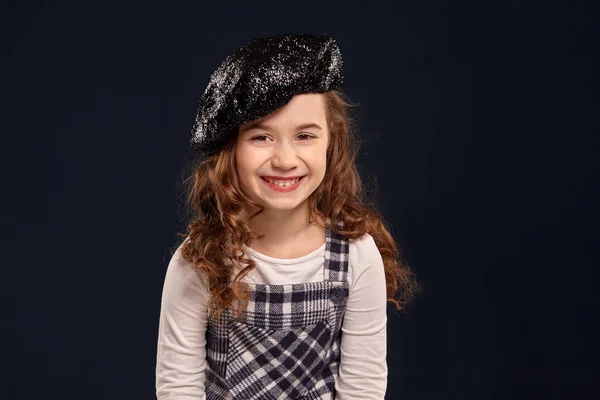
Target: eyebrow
point(258, 125)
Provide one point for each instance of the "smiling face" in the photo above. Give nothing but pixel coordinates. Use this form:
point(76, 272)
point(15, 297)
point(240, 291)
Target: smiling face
point(290, 142)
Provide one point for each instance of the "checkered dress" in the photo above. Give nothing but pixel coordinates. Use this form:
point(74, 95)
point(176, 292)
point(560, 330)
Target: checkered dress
point(287, 345)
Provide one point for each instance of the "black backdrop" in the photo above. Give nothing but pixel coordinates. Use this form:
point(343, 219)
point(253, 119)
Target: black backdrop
point(481, 127)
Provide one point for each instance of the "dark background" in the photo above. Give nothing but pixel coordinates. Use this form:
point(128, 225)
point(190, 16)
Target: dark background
point(481, 124)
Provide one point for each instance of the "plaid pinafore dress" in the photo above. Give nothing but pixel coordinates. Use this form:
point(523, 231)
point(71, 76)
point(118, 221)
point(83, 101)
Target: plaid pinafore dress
point(287, 346)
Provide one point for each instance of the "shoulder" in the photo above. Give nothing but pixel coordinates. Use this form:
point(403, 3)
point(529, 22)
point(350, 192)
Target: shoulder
point(177, 261)
point(363, 255)
point(181, 275)
point(364, 250)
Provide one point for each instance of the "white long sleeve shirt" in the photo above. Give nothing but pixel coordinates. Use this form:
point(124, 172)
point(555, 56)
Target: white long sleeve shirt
point(181, 353)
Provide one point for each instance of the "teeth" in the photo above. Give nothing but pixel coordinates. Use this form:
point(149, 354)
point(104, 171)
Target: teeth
point(283, 183)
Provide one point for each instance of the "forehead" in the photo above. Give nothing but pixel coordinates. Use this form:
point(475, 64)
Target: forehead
point(301, 109)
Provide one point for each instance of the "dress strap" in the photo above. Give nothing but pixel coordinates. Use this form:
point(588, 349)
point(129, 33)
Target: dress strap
point(336, 254)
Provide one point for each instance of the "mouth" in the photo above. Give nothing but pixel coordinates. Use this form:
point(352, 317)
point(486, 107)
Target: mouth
point(266, 178)
point(285, 187)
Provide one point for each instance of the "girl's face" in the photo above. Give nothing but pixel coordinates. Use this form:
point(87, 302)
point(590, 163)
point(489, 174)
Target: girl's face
point(291, 142)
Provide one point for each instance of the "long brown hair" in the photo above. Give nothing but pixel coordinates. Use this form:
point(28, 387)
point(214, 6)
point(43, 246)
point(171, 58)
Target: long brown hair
point(216, 232)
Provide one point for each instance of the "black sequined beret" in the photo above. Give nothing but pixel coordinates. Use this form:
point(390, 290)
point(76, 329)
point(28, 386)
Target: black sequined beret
point(260, 78)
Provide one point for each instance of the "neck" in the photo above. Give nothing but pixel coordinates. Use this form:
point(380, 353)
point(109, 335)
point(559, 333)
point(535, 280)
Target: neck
point(280, 227)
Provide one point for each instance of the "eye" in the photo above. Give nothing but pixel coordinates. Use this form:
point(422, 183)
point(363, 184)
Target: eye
point(307, 135)
point(256, 138)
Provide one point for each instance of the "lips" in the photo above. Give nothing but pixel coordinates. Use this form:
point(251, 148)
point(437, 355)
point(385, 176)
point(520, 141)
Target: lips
point(282, 178)
point(284, 189)
point(267, 178)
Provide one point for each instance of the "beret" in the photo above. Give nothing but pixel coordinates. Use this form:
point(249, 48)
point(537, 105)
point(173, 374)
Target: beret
point(260, 78)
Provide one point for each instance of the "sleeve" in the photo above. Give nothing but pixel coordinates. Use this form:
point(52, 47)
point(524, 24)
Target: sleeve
point(181, 352)
point(363, 366)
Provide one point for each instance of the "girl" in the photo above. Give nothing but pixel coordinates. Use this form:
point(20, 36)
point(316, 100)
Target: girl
point(279, 289)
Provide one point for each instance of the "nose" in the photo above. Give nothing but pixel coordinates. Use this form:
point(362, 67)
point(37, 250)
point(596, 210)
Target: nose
point(284, 156)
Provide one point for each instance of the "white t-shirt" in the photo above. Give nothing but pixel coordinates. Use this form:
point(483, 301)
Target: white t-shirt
point(181, 353)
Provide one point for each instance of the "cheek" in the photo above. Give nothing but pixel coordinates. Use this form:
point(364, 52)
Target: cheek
point(243, 162)
point(241, 167)
point(319, 167)
point(247, 168)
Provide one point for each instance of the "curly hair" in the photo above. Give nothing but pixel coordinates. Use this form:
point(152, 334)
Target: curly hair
point(216, 232)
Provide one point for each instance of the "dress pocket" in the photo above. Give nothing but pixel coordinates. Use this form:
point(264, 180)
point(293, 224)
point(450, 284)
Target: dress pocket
point(276, 364)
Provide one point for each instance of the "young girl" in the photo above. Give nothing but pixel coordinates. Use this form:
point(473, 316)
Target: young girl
point(279, 289)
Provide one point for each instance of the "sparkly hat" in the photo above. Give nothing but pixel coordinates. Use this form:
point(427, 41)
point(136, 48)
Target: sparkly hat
point(260, 78)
